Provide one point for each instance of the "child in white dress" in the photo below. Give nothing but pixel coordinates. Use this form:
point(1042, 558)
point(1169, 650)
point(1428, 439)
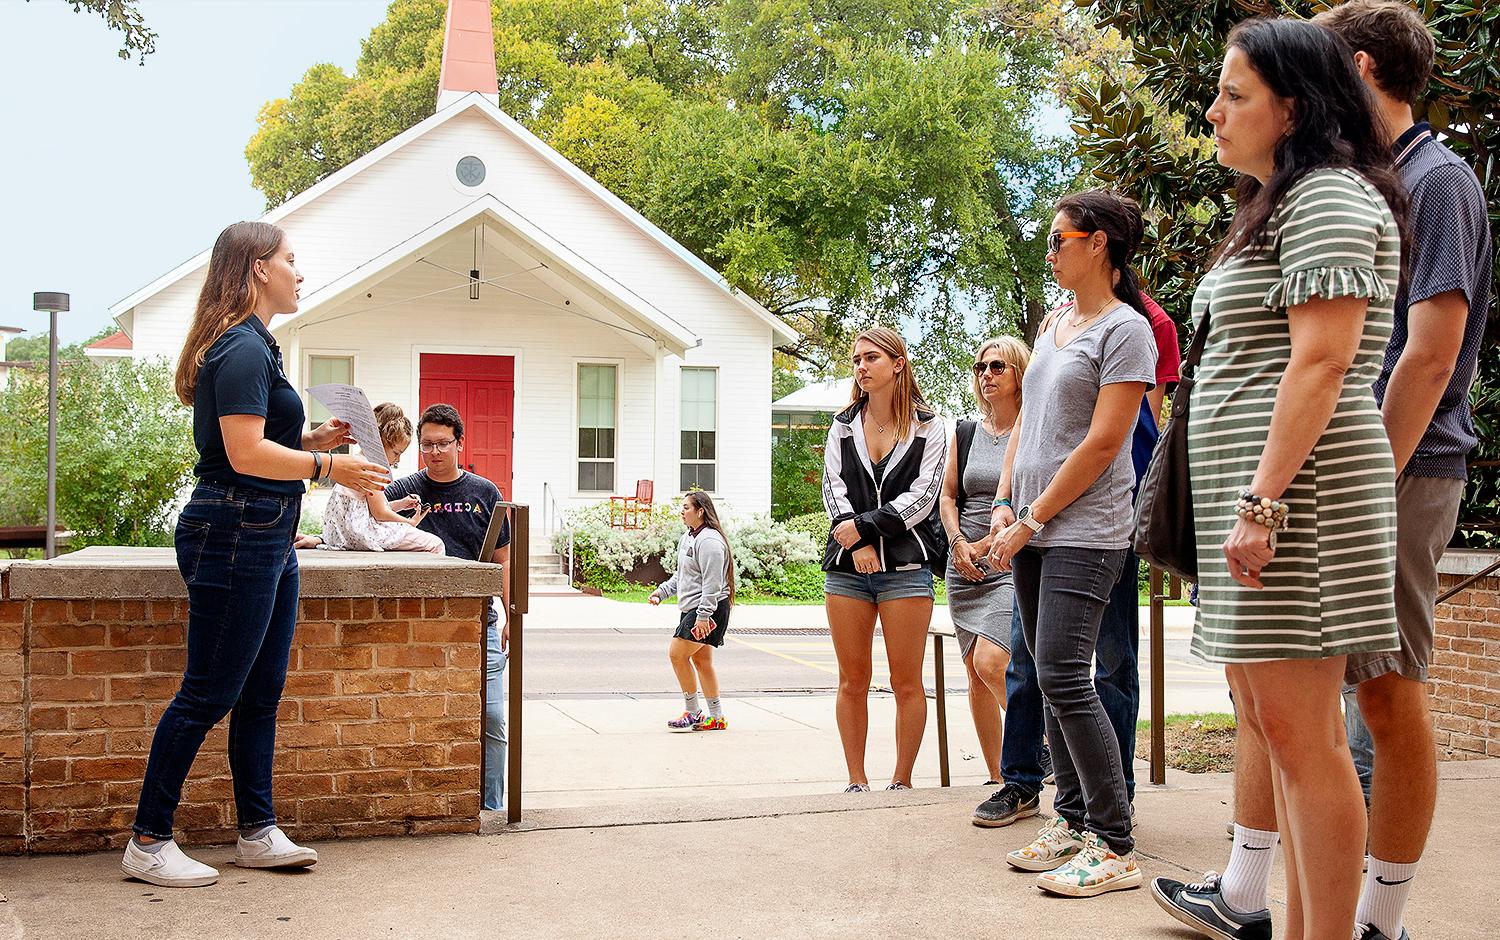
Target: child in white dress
point(357, 523)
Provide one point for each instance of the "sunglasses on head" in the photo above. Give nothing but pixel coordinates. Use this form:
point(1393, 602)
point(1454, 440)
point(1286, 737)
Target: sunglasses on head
point(1054, 239)
point(996, 367)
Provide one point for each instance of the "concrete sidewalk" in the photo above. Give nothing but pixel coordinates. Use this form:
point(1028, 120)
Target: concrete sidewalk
point(868, 865)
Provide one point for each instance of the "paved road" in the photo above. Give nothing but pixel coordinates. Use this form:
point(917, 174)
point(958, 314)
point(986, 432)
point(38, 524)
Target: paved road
point(607, 662)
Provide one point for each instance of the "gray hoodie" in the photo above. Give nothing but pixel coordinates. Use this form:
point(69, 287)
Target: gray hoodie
point(702, 577)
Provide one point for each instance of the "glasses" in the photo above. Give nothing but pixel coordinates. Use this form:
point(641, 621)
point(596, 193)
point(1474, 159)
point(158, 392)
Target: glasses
point(429, 447)
point(1054, 239)
point(995, 366)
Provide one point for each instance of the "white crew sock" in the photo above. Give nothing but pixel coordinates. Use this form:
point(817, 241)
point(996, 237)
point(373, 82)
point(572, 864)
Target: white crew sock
point(690, 700)
point(1248, 875)
point(1383, 901)
point(715, 709)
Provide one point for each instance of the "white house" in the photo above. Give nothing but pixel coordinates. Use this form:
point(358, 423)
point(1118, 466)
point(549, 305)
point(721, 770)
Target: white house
point(465, 261)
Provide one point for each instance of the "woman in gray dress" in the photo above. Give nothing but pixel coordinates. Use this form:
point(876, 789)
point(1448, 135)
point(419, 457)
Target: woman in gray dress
point(980, 598)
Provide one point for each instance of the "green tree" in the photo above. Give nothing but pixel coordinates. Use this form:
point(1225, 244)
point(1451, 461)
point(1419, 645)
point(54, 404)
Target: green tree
point(123, 16)
point(797, 474)
point(124, 445)
point(34, 348)
point(1142, 127)
point(841, 164)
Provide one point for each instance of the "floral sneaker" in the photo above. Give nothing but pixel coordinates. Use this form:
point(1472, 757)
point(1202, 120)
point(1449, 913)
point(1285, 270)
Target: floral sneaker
point(1055, 843)
point(712, 723)
point(1094, 870)
point(688, 722)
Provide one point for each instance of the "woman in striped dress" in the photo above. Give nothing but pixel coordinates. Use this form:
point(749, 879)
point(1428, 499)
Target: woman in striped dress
point(1293, 481)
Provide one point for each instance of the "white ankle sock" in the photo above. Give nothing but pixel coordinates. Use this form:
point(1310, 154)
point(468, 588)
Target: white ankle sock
point(1383, 900)
point(1248, 875)
point(715, 708)
point(690, 701)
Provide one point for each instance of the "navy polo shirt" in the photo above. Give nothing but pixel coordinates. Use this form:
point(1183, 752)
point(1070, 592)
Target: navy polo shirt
point(1449, 249)
point(242, 375)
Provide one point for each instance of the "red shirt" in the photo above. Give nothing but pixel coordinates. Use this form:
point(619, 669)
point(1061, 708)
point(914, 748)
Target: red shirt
point(1168, 355)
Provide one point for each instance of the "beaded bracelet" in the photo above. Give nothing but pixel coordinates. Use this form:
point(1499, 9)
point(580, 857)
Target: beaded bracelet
point(1271, 513)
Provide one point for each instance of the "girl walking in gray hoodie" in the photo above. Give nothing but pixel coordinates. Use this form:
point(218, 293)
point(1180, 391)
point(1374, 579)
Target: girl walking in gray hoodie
point(704, 585)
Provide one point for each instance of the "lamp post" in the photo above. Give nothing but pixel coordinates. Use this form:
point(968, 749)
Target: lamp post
point(53, 303)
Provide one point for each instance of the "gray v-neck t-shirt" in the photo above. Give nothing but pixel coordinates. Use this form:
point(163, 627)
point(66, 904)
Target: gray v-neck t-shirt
point(1059, 394)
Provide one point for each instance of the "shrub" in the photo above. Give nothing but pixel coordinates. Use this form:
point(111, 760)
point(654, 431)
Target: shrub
point(763, 549)
point(814, 524)
point(799, 581)
point(124, 445)
point(797, 473)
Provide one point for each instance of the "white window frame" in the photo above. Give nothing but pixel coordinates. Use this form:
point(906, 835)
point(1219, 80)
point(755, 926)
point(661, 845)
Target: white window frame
point(308, 355)
point(681, 461)
point(619, 365)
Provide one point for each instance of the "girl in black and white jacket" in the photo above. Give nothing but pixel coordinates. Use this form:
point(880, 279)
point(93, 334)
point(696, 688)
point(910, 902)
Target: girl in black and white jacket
point(882, 476)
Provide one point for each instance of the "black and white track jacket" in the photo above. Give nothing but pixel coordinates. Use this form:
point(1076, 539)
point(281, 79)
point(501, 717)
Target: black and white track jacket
point(899, 517)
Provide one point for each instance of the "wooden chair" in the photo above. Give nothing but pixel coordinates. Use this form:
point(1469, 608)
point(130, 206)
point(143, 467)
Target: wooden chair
point(626, 512)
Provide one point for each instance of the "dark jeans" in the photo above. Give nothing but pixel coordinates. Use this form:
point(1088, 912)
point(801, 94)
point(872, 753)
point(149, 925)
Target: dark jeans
point(1116, 678)
point(234, 549)
point(1061, 593)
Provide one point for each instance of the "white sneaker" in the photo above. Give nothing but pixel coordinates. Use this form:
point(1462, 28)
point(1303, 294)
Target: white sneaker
point(168, 867)
point(273, 850)
point(1094, 870)
point(1055, 843)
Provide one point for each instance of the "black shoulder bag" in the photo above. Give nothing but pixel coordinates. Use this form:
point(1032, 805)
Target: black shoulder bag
point(964, 435)
point(1164, 535)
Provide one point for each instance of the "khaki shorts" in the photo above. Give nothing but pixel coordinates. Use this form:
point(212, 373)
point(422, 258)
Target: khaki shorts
point(1426, 515)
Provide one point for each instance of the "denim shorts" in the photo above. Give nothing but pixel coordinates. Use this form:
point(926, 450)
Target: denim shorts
point(880, 585)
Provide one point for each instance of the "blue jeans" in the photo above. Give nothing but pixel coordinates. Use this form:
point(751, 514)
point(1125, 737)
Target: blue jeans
point(1116, 679)
point(1361, 744)
point(234, 550)
point(494, 714)
point(1061, 592)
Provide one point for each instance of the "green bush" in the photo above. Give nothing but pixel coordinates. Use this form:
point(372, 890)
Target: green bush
point(800, 581)
point(797, 474)
point(815, 524)
point(124, 451)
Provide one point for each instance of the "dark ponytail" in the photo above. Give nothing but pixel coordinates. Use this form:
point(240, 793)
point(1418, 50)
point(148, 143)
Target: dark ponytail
point(1119, 218)
point(705, 504)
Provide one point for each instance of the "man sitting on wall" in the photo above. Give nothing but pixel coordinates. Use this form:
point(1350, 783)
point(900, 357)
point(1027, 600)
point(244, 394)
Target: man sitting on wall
point(458, 505)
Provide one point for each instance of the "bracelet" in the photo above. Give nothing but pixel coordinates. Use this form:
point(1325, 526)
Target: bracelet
point(960, 537)
point(328, 475)
point(1000, 501)
point(1271, 513)
point(317, 466)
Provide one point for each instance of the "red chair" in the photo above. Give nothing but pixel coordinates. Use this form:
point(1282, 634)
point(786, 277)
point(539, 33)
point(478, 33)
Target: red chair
point(626, 512)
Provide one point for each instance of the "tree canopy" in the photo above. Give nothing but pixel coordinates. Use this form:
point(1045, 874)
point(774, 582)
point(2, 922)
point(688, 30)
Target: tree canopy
point(124, 16)
point(843, 164)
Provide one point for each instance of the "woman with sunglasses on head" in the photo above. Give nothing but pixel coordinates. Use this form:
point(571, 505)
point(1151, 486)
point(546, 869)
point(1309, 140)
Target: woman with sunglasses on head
point(1069, 477)
point(1293, 477)
point(882, 475)
point(980, 598)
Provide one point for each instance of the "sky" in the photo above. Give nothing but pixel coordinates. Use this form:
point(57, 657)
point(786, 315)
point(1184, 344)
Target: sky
point(113, 172)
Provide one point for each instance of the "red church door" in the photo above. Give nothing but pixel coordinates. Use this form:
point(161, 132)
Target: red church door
point(483, 389)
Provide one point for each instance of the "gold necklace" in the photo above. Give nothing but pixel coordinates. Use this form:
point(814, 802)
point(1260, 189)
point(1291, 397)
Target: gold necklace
point(1075, 323)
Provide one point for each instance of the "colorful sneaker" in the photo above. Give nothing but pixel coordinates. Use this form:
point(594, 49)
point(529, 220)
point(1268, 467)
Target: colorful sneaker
point(688, 722)
point(898, 786)
point(1055, 843)
point(1201, 906)
point(1094, 870)
point(712, 723)
point(1008, 804)
point(857, 788)
point(1371, 932)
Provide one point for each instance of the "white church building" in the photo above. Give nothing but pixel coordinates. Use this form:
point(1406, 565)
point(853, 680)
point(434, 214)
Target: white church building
point(465, 261)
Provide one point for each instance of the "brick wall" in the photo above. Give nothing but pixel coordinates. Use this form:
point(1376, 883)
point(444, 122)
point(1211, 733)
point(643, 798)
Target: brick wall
point(1465, 670)
point(378, 732)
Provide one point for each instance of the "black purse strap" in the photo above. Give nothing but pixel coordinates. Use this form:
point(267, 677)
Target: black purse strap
point(1190, 366)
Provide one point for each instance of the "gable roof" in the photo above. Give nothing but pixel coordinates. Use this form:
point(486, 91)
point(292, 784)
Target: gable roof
point(473, 101)
point(112, 341)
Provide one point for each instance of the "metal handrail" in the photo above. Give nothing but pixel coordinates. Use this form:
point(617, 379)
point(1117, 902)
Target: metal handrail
point(552, 517)
point(1468, 581)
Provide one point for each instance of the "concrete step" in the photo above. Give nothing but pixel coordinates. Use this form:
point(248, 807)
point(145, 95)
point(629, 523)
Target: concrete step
point(557, 578)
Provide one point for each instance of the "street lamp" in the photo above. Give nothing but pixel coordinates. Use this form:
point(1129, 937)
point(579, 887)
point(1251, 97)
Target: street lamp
point(53, 303)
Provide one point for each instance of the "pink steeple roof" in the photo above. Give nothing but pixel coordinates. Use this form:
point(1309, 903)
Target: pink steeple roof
point(468, 52)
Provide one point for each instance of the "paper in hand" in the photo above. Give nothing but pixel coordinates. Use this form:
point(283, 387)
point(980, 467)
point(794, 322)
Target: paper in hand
point(349, 404)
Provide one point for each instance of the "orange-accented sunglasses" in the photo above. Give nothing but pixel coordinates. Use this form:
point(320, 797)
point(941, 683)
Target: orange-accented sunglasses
point(1054, 239)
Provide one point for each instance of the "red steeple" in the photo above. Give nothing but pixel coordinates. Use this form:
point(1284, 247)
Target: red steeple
point(468, 53)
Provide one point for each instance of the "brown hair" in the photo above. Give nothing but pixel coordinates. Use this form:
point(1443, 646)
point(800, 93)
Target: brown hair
point(228, 296)
point(705, 504)
point(1016, 356)
point(908, 396)
point(1119, 218)
point(394, 425)
point(1394, 36)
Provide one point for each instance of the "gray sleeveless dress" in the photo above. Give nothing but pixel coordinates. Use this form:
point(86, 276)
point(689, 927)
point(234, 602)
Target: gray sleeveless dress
point(981, 608)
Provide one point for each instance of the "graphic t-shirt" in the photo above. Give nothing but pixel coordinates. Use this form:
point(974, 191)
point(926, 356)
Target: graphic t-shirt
point(457, 512)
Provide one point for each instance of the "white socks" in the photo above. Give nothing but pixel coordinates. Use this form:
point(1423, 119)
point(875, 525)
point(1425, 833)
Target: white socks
point(1384, 898)
point(715, 709)
point(1248, 875)
point(690, 700)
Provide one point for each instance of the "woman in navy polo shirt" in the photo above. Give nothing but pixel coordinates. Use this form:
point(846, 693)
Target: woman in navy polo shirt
point(234, 549)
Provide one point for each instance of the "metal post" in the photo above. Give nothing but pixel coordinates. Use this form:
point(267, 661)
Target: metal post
point(942, 707)
point(519, 574)
point(52, 437)
point(1158, 681)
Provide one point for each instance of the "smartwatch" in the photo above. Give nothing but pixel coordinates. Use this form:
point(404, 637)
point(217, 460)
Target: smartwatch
point(1028, 520)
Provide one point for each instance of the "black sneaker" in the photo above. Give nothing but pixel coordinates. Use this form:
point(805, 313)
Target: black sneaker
point(1008, 804)
point(1371, 932)
point(1201, 906)
point(1048, 777)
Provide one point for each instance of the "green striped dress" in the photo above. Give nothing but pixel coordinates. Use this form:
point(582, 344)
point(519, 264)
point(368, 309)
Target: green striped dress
point(1330, 588)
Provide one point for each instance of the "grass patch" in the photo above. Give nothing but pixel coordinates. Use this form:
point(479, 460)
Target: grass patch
point(1197, 744)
